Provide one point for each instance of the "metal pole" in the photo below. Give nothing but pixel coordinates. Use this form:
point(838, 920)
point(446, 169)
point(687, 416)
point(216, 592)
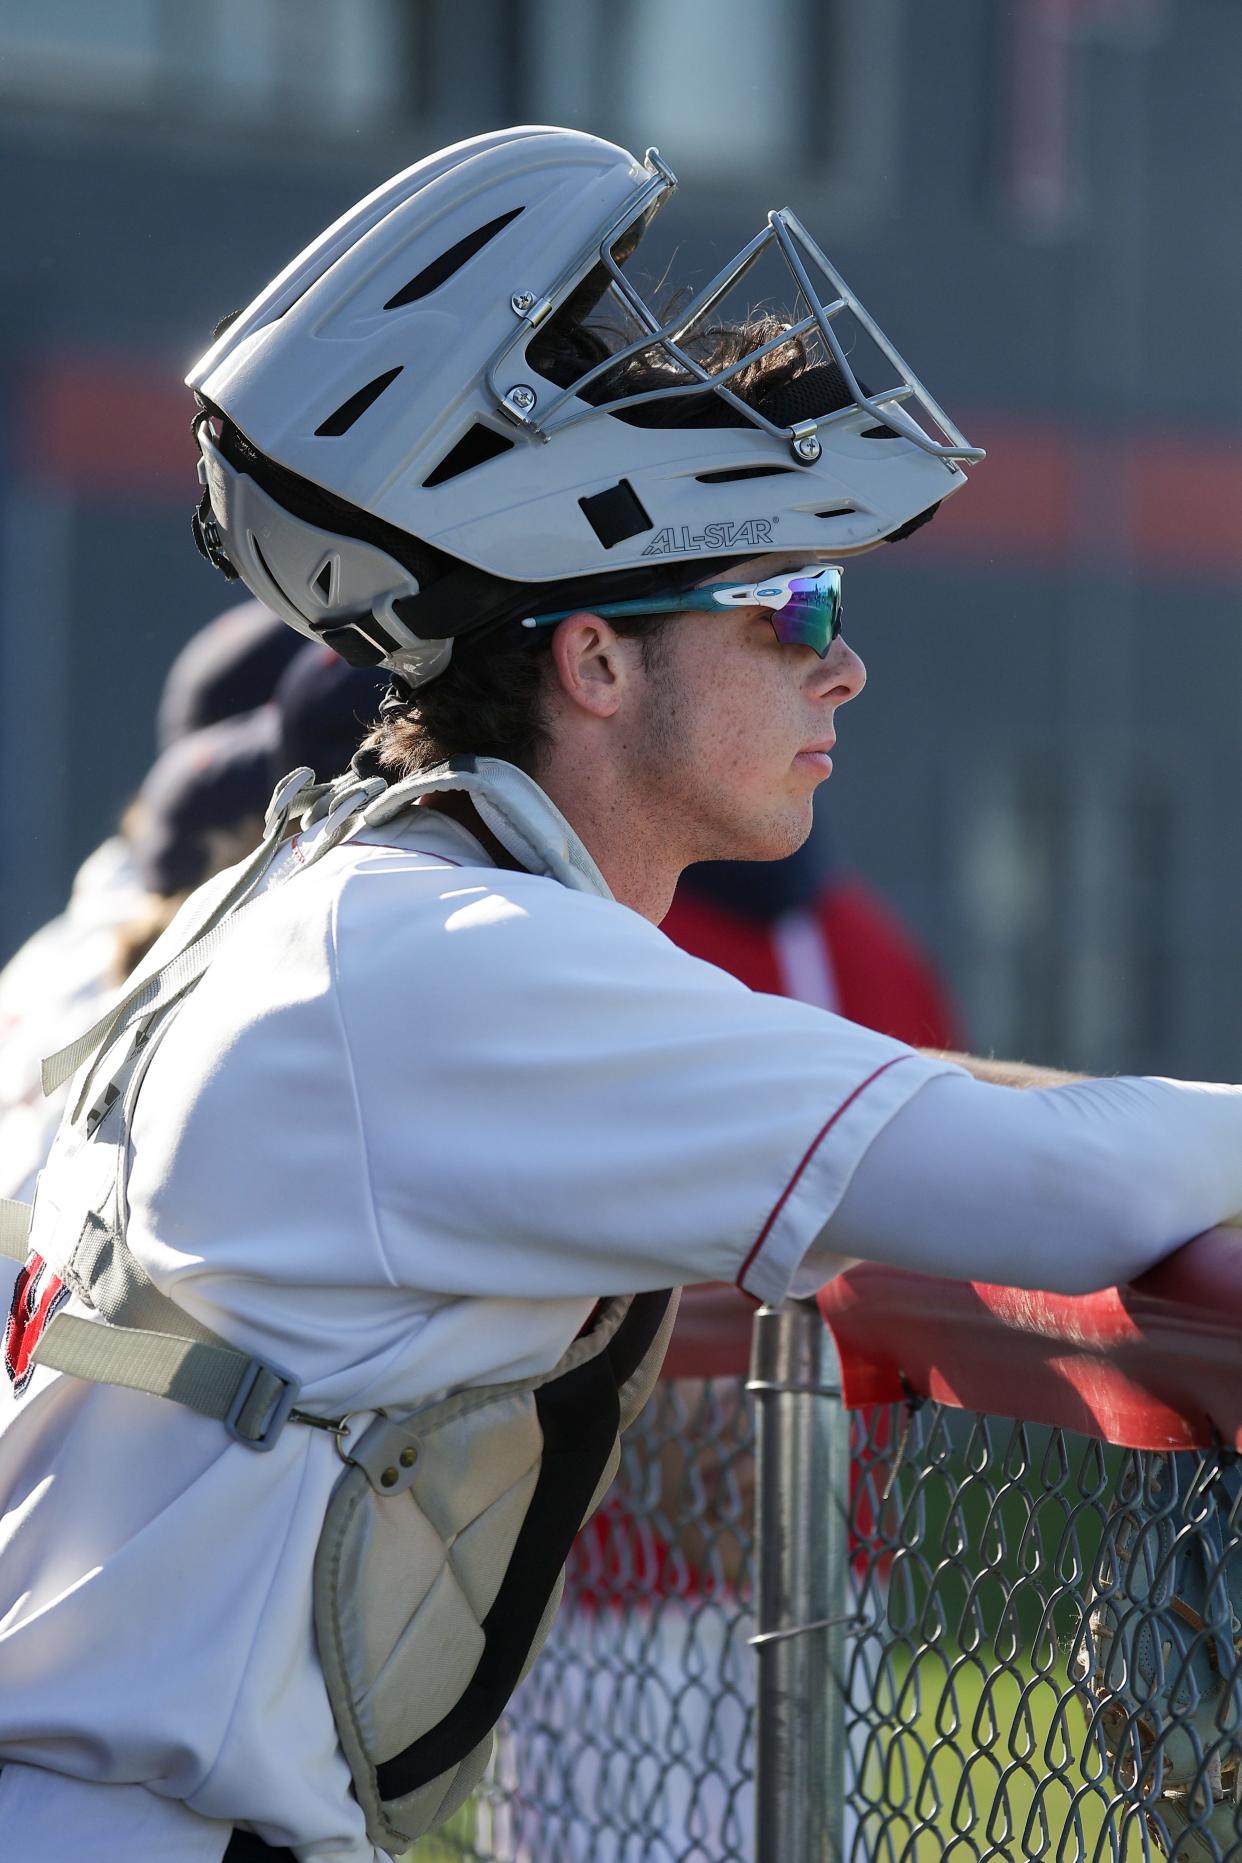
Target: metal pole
point(802, 1586)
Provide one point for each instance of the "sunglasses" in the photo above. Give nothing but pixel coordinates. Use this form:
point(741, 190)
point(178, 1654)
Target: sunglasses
point(804, 605)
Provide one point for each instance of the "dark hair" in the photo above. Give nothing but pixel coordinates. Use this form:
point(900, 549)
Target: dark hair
point(489, 701)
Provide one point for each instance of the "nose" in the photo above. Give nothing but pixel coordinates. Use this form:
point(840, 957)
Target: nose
point(840, 675)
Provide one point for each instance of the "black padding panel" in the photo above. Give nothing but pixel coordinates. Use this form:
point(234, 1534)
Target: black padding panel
point(356, 646)
point(615, 514)
point(912, 524)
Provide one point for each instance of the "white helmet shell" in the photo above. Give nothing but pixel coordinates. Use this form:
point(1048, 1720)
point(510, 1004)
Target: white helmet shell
point(388, 366)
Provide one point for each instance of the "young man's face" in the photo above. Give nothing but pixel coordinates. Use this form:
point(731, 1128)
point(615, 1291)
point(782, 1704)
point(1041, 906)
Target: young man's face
point(732, 728)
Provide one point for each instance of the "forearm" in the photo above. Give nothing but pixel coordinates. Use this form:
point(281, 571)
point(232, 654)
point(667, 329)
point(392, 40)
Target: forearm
point(1066, 1188)
point(1005, 1073)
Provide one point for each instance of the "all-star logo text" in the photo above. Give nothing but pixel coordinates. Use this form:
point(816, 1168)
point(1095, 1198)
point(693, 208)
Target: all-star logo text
point(749, 534)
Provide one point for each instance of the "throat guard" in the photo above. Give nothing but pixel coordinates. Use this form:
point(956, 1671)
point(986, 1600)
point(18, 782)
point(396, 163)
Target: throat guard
point(440, 1562)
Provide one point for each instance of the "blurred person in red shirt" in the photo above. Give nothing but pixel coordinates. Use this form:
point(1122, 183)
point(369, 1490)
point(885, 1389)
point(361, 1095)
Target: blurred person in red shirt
point(807, 928)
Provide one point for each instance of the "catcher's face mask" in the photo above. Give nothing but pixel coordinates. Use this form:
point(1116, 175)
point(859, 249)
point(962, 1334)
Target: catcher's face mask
point(813, 284)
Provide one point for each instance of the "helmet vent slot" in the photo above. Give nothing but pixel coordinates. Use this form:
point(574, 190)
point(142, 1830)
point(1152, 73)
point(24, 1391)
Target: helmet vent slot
point(879, 433)
point(441, 270)
point(475, 448)
point(615, 514)
point(349, 411)
point(731, 474)
point(838, 511)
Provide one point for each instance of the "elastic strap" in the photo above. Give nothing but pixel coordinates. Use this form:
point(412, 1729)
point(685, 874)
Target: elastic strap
point(251, 1399)
point(154, 990)
point(113, 1281)
point(14, 1228)
point(213, 914)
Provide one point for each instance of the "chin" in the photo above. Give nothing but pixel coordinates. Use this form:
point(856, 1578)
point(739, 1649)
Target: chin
point(774, 839)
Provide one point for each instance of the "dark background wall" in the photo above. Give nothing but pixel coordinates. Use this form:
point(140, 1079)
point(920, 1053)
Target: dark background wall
point(1037, 198)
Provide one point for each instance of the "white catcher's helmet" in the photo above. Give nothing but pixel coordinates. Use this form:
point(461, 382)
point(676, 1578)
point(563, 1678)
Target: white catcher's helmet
point(384, 393)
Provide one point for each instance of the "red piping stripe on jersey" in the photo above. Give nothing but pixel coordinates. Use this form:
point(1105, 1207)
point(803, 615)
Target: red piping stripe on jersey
point(811, 1149)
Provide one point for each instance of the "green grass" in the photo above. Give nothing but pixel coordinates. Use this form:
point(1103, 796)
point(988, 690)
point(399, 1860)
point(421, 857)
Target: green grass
point(992, 1769)
point(450, 1844)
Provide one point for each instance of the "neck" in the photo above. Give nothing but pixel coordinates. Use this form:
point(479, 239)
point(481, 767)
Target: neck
point(640, 871)
point(640, 865)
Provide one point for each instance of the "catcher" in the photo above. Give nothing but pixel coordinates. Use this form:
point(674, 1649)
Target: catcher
point(353, 1252)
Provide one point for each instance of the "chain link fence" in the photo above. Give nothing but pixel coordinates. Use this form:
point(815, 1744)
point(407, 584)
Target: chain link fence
point(961, 1637)
point(632, 1740)
point(1043, 1660)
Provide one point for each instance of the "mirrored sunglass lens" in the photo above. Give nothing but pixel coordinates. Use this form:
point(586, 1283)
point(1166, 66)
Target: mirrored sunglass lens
point(810, 618)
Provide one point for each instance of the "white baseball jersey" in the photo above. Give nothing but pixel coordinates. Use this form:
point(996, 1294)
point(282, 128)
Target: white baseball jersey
point(418, 1115)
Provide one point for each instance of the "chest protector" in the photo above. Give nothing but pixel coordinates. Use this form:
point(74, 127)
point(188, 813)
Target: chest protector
point(441, 1560)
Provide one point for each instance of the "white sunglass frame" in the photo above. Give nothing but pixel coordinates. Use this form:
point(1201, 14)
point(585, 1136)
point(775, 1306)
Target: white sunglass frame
point(723, 594)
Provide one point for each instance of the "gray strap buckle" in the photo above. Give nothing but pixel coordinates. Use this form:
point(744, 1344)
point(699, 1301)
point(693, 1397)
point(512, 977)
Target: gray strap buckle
point(261, 1405)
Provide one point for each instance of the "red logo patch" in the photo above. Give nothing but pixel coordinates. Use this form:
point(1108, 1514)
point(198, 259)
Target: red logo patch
point(37, 1296)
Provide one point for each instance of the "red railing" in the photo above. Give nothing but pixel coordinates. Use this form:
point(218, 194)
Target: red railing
point(712, 1335)
point(1154, 1365)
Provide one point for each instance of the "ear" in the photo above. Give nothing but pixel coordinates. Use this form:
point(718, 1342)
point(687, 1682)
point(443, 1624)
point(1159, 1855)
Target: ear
point(594, 664)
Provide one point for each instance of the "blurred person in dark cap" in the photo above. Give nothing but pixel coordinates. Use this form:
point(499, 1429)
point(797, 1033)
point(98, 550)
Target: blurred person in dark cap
point(54, 981)
point(201, 807)
point(233, 664)
point(324, 709)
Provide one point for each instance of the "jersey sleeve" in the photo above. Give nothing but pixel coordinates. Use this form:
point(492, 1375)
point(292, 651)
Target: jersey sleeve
point(558, 1101)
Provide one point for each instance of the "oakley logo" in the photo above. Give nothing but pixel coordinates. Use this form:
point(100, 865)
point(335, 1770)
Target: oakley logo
point(750, 533)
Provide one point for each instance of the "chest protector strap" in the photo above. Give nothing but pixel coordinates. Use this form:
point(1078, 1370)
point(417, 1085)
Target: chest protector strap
point(440, 1562)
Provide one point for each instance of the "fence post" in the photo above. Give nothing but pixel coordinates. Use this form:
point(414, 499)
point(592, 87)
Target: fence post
point(802, 1587)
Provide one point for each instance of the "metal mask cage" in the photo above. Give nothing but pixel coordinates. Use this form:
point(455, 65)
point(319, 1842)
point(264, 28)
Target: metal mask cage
point(818, 309)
